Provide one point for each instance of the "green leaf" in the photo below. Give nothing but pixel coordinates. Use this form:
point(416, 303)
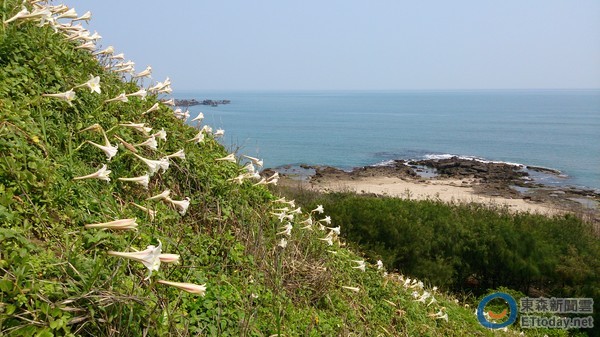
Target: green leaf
point(6, 286)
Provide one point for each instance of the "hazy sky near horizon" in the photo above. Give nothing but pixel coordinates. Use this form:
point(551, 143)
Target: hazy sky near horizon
point(356, 45)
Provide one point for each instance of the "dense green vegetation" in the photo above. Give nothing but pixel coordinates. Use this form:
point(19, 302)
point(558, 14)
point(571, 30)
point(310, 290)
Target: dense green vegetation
point(470, 248)
point(56, 276)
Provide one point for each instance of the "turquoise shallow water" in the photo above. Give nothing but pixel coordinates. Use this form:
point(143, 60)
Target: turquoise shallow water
point(551, 128)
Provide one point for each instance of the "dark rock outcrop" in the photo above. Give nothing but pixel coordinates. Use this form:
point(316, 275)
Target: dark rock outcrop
point(193, 101)
point(466, 168)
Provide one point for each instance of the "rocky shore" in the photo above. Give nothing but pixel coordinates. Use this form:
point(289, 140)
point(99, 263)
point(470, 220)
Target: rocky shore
point(480, 180)
point(193, 101)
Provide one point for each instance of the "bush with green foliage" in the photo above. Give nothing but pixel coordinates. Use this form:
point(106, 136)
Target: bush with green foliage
point(470, 248)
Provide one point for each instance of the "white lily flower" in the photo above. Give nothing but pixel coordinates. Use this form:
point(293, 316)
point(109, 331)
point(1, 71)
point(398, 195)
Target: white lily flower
point(107, 51)
point(70, 14)
point(149, 257)
point(21, 14)
point(169, 258)
point(66, 96)
point(149, 143)
point(198, 118)
point(379, 263)
point(181, 115)
point(89, 45)
point(85, 17)
point(58, 9)
point(121, 98)
point(73, 28)
point(94, 36)
point(296, 211)
point(239, 179)
point(93, 127)
point(326, 220)
point(120, 56)
point(361, 265)
point(440, 315)
point(308, 222)
point(255, 161)
point(230, 158)
point(44, 14)
point(219, 133)
point(283, 201)
point(282, 216)
point(155, 107)
point(151, 213)
point(249, 168)
point(164, 195)
point(144, 73)
point(140, 93)
point(283, 243)
point(154, 165)
point(101, 174)
point(191, 288)
point(128, 69)
point(79, 36)
point(198, 138)
point(142, 180)
point(162, 134)
point(93, 84)
point(355, 289)
point(335, 230)
point(125, 64)
point(164, 164)
point(433, 300)
point(207, 129)
point(418, 285)
point(287, 230)
point(108, 149)
point(423, 297)
point(263, 181)
point(328, 239)
point(165, 90)
point(141, 127)
point(122, 224)
point(182, 205)
point(319, 209)
point(160, 86)
point(170, 102)
point(179, 154)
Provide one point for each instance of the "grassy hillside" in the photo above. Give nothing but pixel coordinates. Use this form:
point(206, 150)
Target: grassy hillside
point(61, 277)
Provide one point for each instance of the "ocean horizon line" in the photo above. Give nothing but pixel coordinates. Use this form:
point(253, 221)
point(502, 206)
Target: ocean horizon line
point(187, 91)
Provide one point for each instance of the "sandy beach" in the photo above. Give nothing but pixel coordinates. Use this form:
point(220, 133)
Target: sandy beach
point(452, 180)
point(447, 190)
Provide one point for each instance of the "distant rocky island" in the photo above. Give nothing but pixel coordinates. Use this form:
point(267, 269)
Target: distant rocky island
point(193, 101)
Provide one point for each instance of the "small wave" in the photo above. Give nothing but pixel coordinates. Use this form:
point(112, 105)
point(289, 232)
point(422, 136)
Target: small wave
point(385, 163)
point(481, 160)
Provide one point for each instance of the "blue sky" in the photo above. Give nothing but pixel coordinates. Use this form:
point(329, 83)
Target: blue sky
point(356, 45)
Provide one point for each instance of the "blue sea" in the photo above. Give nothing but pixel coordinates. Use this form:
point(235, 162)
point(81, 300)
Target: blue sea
point(557, 129)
